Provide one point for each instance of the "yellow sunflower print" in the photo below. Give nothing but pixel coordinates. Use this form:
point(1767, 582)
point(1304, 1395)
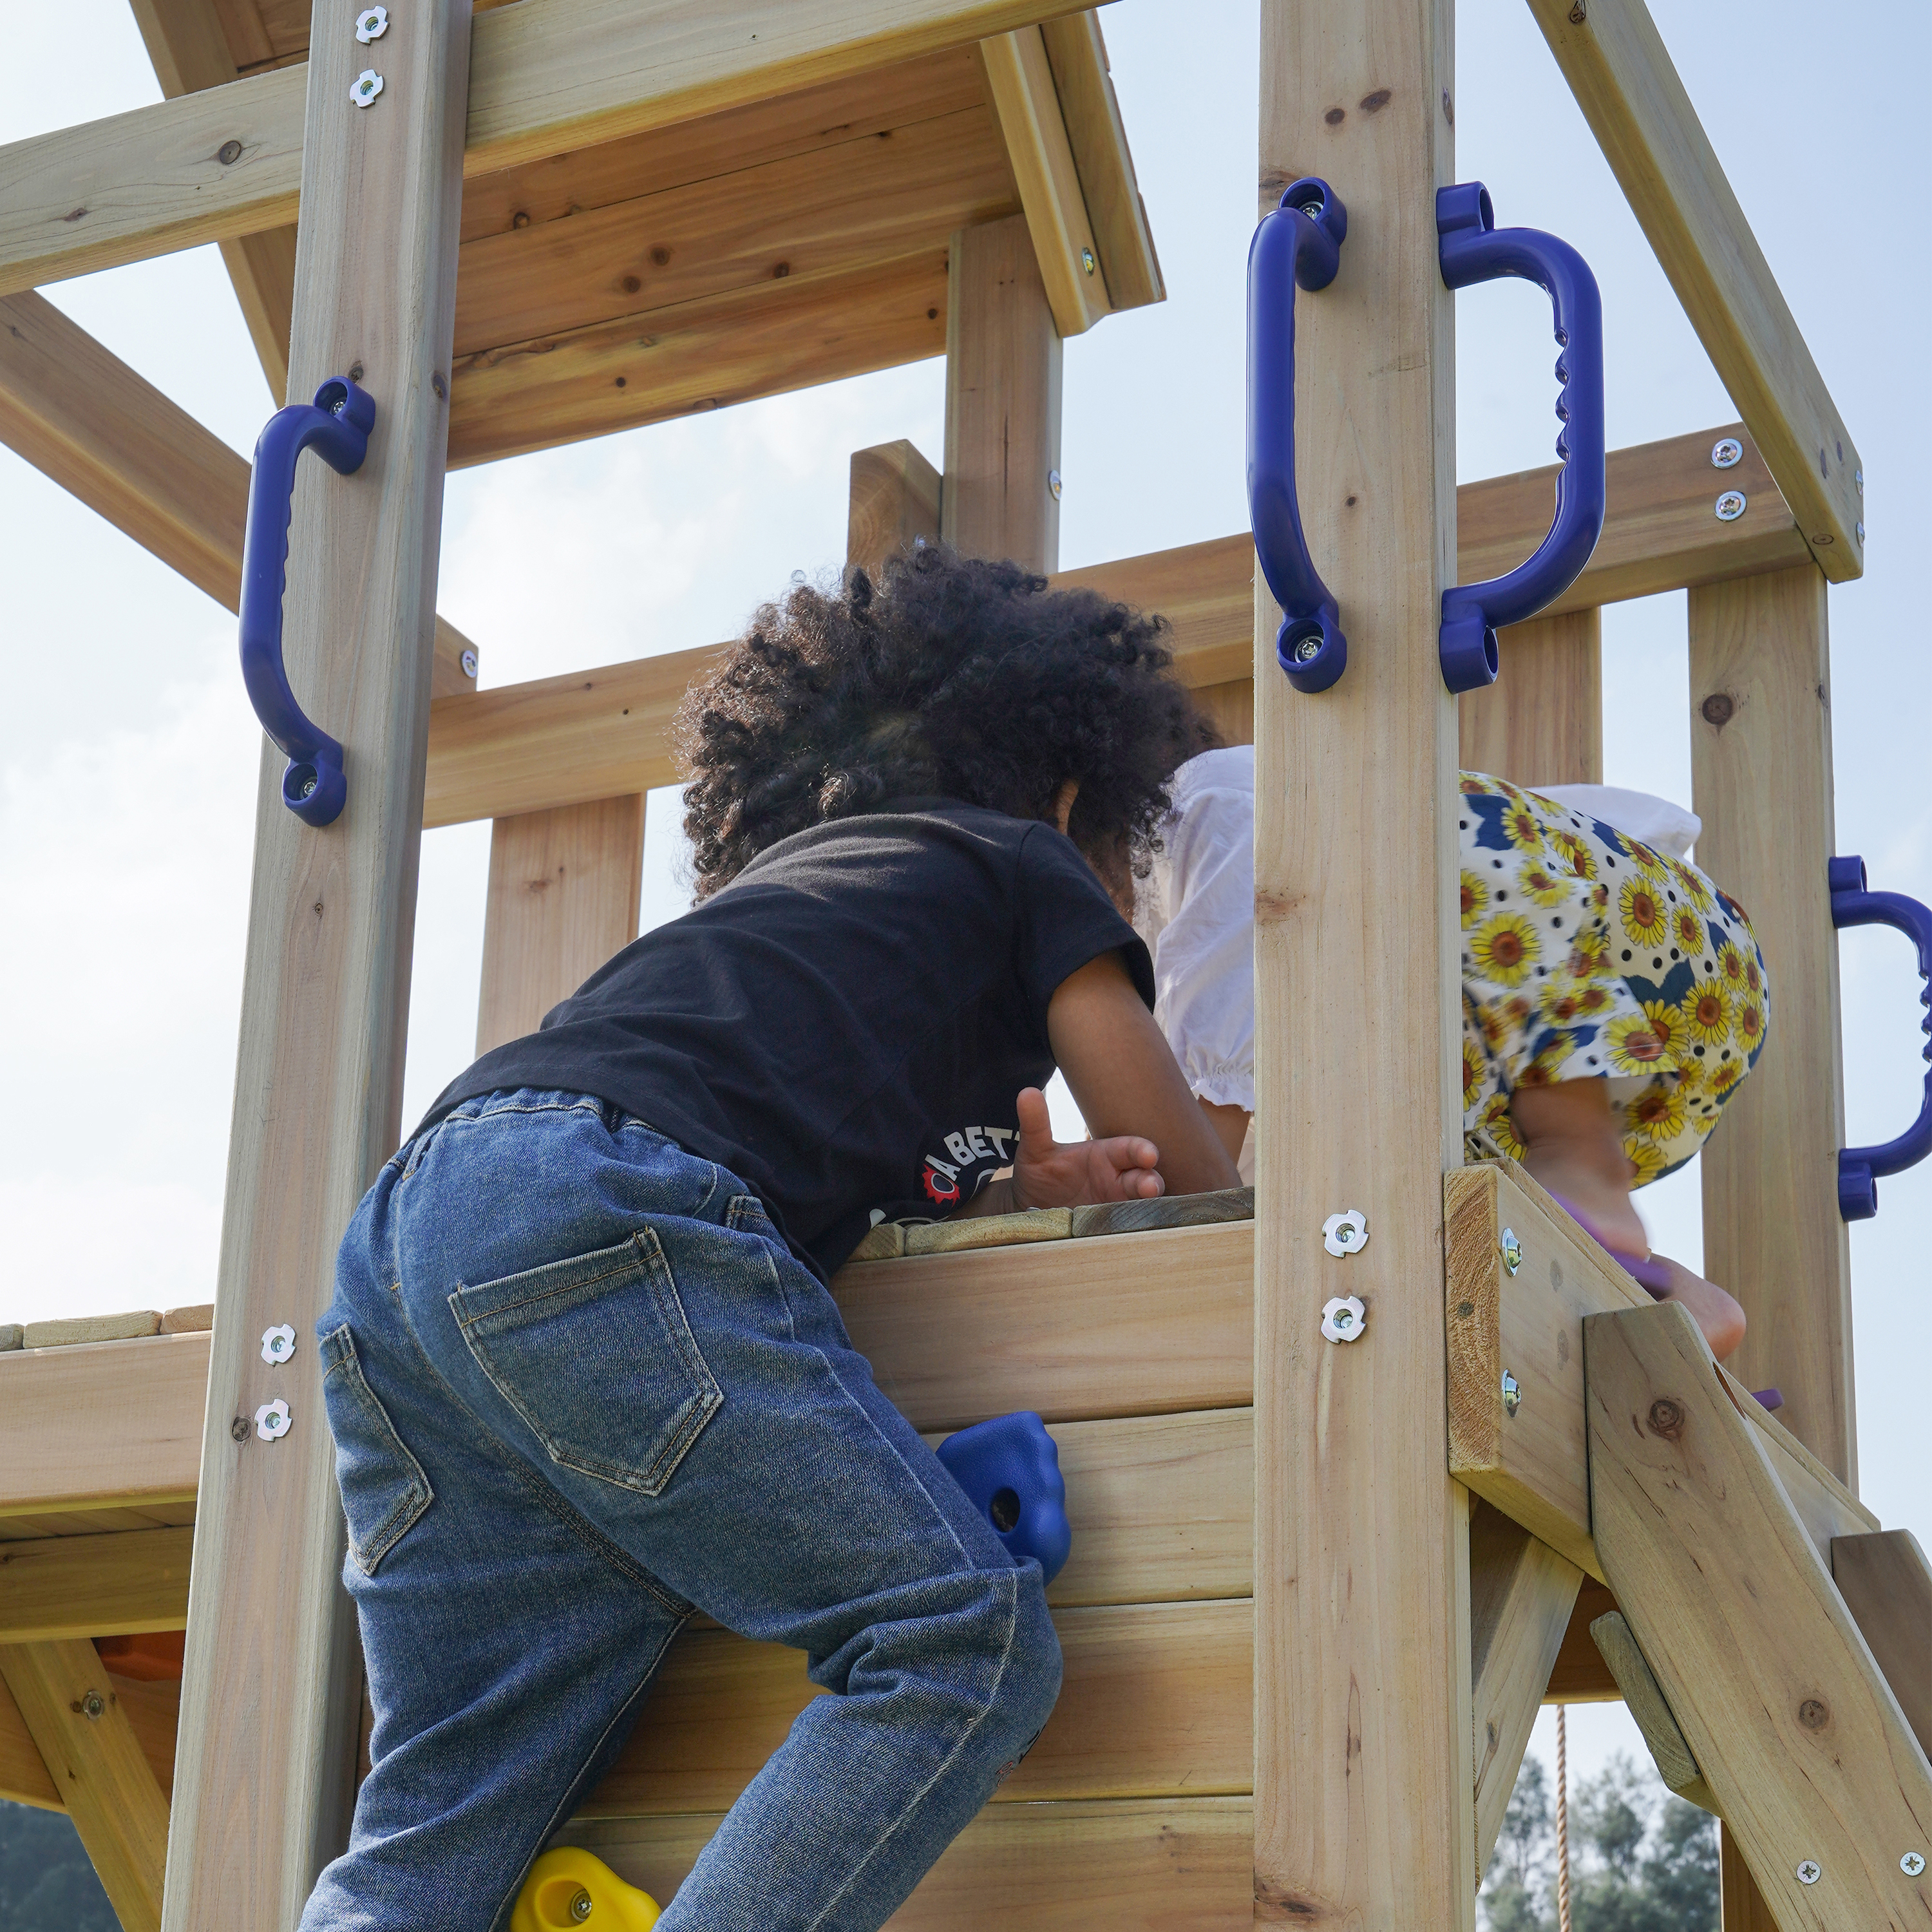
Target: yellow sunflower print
point(1475, 1064)
point(1658, 1113)
point(1707, 1013)
point(1504, 949)
point(1640, 906)
point(1577, 858)
point(1666, 1021)
point(1689, 929)
point(1524, 827)
point(1731, 967)
point(1545, 887)
point(1475, 899)
point(1633, 1045)
point(1691, 883)
point(1750, 1023)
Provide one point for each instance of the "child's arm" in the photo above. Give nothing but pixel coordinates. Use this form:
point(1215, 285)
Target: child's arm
point(1151, 1138)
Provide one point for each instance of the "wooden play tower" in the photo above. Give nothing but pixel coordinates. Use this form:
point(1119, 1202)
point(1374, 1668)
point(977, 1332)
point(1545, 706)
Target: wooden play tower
point(1318, 1592)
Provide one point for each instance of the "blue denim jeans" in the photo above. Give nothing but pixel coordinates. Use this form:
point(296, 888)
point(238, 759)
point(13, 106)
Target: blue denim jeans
point(578, 1387)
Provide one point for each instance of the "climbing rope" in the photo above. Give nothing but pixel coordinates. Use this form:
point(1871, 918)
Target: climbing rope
point(1562, 1819)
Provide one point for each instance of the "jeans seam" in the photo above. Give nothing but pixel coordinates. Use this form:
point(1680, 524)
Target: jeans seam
point(636, 1261)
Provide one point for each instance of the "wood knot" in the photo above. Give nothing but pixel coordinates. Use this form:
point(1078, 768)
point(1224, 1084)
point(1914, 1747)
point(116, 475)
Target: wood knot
point(1336, 116)
point(228, 153)
point(1374, 104)
point(1666, 1418)
point(1814, 1714)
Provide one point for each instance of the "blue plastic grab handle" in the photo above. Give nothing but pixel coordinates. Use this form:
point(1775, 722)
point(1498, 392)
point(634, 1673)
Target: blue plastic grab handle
point(1852, 904)
point(1472, 249)
point(1299, 241)
point(336, 424)
point(1009, 1468)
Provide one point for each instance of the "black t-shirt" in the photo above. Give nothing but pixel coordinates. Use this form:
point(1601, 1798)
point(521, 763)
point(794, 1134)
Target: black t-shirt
point(845, 1025)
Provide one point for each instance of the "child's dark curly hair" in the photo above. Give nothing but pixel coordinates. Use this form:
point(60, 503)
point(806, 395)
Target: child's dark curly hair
point(948, 676)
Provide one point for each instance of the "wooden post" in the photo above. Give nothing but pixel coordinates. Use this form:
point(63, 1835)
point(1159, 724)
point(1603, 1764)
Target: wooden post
point(1363, 1771)
point(564, 890)
point(264, 1764)
point(894, 502)
point(1541, 723)
point(1761, 761)
point(1002, 358)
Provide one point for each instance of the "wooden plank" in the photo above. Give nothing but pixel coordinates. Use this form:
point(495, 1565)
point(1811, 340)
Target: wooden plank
point(76, 1330)
point(99, 1769)
point(1541, 723)
point(1761, 768)
point(326, 998)
point(1146, 1865)
point(1170, 1211)
point(1091, 112)
point(1743, 1906)
point(1231, 707)
point(954, 1339)
point(117, 1424)
point(1621, 73)
point(1521, 1596)
point(1775, 1690)
point(564, 894)
point(1155, 1701)
point(86, 1586)
point(1019, 82)
point(25, 1778)
point(1003, 375)
point(196, 1318)
point(1676, 1764)
point(989, 1230)
point(893, 503)
point(82, 416)
point(1364, 1805)
point(1579, 1675)
point(1887, 1586)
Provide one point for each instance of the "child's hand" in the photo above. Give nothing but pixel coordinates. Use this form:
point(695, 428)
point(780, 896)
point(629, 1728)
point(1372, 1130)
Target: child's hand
point(1048, 1173)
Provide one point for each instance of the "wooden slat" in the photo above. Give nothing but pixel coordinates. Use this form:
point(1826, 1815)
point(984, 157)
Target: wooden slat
point(1761, 766)
point(1887, 1586)
point(1156, 1701)
point(88, 1586)
point(893, 502)
point(1019, 81)
point(1174, 1865)
point(1091, 112)
point(1621, 73)
point(24, 1776)
point(1650, 1711)
point(318, 1084)
point(1541, 723)
point(72, 1331)
point(563, 896)
point(1579, 1675)
point(97, 1766)
point(1764, 1669)
point(1002, 379)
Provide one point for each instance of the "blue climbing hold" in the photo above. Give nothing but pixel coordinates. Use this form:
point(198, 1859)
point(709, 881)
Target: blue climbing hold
point(1009, 1468)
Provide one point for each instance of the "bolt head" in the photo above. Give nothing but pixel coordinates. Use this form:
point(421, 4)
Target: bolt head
point(364, 87)
point(1913, 1864)
point(92, 1706)
point(272, 1420)
point(1346, 1233)
point(1860, 530)
point(1858, 479)
point(1730, 506)
point(1307, 650)
point(1086, 260)
point(278, 1344)
point(1343, 1318)
point(581, 1905)
point(468, 662)
point(1810, 1871)
point(1512, 1393)
point(371, 24)
point(1053, 484)
point(1512, 1249)
point(1726, 453)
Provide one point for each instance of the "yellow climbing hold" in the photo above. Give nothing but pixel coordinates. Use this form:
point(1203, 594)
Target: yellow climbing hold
point(569, 1887)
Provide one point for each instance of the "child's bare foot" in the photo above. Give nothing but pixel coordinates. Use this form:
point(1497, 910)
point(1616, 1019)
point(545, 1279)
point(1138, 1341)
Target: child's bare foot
point(1573, 1146)
point(1714, 1311)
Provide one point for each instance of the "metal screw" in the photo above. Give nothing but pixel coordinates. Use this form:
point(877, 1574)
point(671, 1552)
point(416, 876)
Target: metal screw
point(278, 1344)
point(1726, 453)
point(1309, 648)
point(1087, 259)
point(581, 1906)
point(272, 1420)
point(469, 661)
point(1512, 1393)
point(1343, 1318)
point(1810, 1871)
point(364, 87)
point(1346, 1233)
point(1730, 506)
point(91, 1706)
point(228, 153)
point(371, 24)
point(306, 789)
point(1913, 1864)
point(1860, 530)
point(1858, 478)
point(1053, 484)
point(1512, 1249)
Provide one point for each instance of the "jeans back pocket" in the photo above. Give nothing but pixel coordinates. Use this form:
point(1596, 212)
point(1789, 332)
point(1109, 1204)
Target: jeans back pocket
point(384, 1490)
point(595, 1354)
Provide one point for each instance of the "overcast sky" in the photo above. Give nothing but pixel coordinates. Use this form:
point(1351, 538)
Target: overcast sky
point(127, 752)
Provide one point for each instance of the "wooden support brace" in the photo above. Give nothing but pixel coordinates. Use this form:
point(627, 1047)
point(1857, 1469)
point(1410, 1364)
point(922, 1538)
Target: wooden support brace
point(1676, 1765)
point(96, 1766)
point(1541, 723)
point(57, 1587)
point(894, 502)
point(1887, 1586)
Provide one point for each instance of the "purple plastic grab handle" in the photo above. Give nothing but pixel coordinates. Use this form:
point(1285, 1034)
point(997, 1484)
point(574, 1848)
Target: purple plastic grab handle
point(1300, 242)
point(1472, 249)
point(336, 425)
point(1852, 905)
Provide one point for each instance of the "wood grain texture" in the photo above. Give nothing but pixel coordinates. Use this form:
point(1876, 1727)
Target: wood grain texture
point(893, 502)
point(989, 1230)
point(1887, 1586)
point(1231, 706)
point(1170, 1211)
point(196, 1318)
point(326, 993)
point(75, 1330)
point(1744, 1908)
point(86, 1586)
point(99, 1769)
point(1541, 723)
point(1364, 1778)
point(1020, 84)
point(1775, 1690)
point(1521, 1596)
point(1579, 1675)
point(1156, 1701)
point(25, 1778)
point(1761, 771)
point(1159, 1865)
point(1650, 1711)
point(563, 896)
point(1002, 378)
point(1091, 112)
point(1621, 73)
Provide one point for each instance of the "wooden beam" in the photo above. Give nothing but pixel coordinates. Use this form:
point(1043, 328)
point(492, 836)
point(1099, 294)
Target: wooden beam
point(1098, 136)
point(56, 1587)
point(97, 1767)
point(1521, 1595)
point(893, 502)
point(1761, 769)
point(1579, 1675)
point(1621, 73)
point(1364, 1781)
point(1650, 1711)
point(318, 1082)
point(25, 1778)
point(81, 417)
point(1809, 1757)
point(1541, 723)
point(1887, 1586)
point(1003, 372)
point(1019, 80)
point(547, 77)
point(564, 893)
